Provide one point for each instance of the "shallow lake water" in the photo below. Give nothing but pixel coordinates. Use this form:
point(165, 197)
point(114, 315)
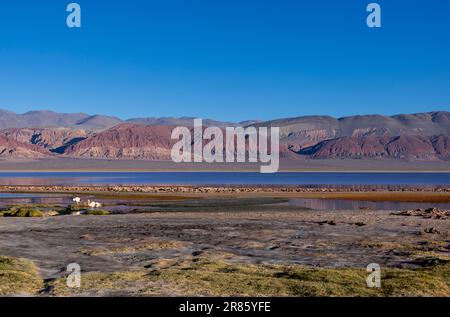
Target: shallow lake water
point(344, 204)
point(114, 205)
point(224, 178)
point(17, 199)
point(337, 180)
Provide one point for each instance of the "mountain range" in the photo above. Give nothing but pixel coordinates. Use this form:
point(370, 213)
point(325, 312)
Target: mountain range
point(41, 134)
point(46, 119)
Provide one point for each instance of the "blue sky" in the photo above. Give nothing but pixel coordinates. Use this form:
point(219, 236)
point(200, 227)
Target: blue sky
point(225, 59)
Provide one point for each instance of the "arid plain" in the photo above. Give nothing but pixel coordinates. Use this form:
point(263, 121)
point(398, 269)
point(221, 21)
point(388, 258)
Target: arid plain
point(224, 241)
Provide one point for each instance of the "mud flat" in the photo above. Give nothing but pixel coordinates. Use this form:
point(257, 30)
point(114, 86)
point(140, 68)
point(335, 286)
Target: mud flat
point(431, 194)
point(240, 246)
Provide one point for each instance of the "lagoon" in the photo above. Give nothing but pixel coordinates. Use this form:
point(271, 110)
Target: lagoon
point(225, 178)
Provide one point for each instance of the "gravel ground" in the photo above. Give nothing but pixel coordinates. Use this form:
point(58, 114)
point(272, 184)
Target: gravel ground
point(253, 234)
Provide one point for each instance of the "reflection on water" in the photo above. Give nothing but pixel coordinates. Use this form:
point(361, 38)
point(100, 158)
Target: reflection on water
point(39, 180)
point(23, 199)
point(224, 178)
point(119, 206)
point(338, 204)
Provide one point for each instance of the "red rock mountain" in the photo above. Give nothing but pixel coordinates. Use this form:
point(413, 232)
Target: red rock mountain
point(304, 132)
point(10, 148)
point(423, 136)
point(55, 140)
point(126, 141)
point(413, 147)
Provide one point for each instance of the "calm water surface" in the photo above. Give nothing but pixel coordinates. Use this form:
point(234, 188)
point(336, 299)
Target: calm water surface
point(225, 178)
point(230, 178)
point(344, 204)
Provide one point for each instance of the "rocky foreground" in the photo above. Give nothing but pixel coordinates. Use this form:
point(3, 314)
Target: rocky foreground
point(430, 213)
point(251, 250)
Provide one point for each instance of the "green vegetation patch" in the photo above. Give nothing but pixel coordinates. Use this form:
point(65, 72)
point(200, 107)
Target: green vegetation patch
point(202, 277)
point(18, 277)
point(70, 209)
point(22, 212)
point(222, 279)
point(136, 248)
point(73, 208)
point(96, 212)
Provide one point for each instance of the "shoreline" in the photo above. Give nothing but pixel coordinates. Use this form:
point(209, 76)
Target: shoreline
point(400, 194)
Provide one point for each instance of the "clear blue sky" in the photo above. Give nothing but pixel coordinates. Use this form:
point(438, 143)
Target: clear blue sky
point(225, 59)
